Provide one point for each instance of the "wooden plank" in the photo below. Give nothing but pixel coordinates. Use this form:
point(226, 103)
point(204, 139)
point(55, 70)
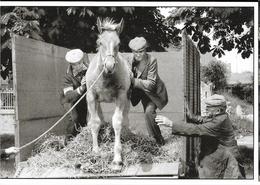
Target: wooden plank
point(155, 169)
point(38, 73)
point(138, 170)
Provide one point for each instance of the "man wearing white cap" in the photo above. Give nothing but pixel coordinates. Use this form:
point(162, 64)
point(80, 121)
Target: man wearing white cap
point(74, 85)
point(219, 157)
point(147, 86)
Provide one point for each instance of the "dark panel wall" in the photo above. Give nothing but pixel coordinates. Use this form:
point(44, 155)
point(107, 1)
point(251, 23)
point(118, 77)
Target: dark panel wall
point(38, 71)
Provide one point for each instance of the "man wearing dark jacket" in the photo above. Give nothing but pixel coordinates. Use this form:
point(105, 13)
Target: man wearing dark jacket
point(219, 157)
point(74, 86)
point(147, 86)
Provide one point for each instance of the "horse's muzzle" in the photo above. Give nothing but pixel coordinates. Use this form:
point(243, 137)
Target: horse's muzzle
point(110, 68)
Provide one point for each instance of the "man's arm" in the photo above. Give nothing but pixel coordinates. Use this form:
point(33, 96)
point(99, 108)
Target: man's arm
point(188, 129)
point(210, 128)
point(70, 94)
point(191, 117)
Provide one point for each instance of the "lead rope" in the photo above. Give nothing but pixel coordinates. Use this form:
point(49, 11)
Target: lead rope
point(57, 122)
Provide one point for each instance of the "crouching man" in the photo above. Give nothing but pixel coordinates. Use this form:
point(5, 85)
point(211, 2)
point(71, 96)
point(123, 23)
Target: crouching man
point(74, 86)
point(148, 88)
point(219, 157)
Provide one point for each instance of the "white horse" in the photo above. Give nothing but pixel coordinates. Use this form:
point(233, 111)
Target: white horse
point(112, 86)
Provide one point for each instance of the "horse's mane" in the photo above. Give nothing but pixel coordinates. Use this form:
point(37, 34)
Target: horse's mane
point(107, 24)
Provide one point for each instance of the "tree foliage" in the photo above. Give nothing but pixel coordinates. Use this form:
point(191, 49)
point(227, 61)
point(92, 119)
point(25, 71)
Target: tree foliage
point(16, 20)
point(244, 92)
point(230, 27)
point(75, 27)
point(215, 72)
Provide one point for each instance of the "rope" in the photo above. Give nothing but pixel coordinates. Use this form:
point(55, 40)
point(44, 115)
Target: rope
point(57, 122)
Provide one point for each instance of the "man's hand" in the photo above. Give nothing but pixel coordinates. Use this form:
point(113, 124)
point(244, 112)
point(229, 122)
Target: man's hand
point(132, 79)
point(83, 80)
point(81, 89)
point(188, 113)
point(11, 150)
point(162, 120)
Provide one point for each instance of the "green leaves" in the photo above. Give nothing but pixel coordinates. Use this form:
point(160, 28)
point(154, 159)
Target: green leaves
point(21, 21)
point(227, 25)
point(217, 50)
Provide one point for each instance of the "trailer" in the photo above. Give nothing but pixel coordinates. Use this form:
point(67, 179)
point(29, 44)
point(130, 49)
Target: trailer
point(38, 70)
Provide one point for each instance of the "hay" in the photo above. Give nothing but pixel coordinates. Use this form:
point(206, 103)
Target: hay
point(51, 152)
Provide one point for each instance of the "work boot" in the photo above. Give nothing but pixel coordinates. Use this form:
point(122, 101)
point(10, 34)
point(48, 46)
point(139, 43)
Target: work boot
point(67, 139)
point(160, 141)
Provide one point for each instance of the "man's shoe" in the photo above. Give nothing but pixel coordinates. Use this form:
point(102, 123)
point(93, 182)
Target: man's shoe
point(160, 141)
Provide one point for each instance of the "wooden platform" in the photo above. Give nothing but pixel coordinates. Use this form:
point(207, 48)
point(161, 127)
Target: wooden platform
point(157, 170)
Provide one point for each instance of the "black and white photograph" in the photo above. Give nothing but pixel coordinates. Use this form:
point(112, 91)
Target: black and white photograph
point(92, 90)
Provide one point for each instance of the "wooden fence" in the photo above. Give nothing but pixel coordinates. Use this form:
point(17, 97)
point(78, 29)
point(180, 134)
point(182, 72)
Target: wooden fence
point(7, 101)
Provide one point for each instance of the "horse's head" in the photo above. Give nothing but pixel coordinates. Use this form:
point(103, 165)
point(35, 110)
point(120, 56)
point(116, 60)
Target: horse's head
point(108, 43)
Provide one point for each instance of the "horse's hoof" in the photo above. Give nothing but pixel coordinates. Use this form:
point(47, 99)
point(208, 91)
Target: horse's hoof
point(116, 166)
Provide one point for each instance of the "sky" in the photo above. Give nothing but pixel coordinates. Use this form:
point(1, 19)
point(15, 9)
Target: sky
point(238, 64)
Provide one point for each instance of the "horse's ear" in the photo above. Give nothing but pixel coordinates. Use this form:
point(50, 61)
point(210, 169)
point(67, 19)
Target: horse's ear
point(120, 26)
point(99, 25)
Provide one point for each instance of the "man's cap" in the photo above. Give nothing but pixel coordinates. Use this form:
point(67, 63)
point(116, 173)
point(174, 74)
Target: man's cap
point(215, 100)
point(138, 44)
point(74, 56)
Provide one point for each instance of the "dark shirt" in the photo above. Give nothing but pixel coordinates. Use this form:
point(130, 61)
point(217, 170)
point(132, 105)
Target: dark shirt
point(219, 127)
point(71, 82)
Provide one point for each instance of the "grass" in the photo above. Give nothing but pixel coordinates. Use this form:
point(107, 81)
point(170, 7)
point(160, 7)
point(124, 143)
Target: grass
point(242, 127)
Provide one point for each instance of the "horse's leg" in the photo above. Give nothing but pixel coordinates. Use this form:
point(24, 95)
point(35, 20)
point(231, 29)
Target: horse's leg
point(126, 126)
point(117, 121)
point(100, 114)
point(94, 121)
